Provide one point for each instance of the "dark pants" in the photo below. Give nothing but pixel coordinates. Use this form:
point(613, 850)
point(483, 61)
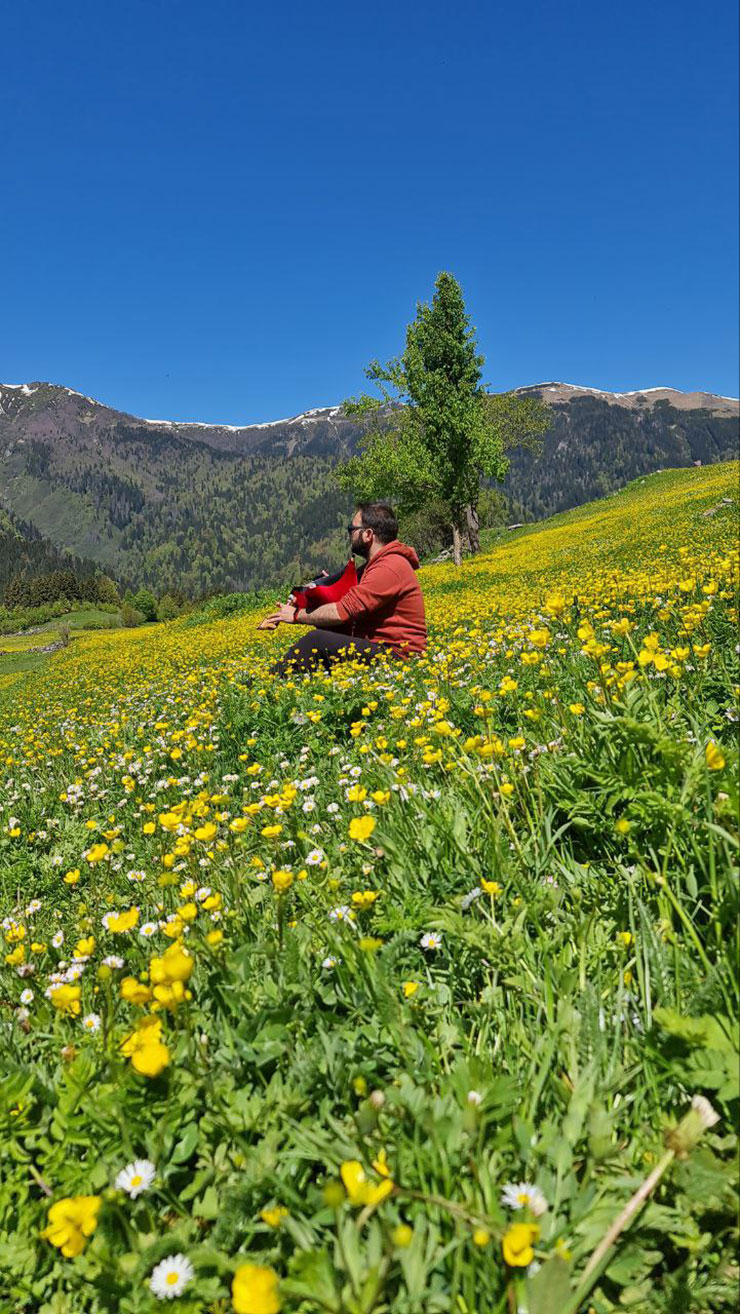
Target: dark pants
point(324, 648)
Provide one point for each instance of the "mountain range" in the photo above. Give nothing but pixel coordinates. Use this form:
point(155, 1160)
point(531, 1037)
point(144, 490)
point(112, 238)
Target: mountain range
point(204, 507)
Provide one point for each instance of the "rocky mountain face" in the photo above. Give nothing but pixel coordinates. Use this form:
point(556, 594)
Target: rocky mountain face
point(207, 506)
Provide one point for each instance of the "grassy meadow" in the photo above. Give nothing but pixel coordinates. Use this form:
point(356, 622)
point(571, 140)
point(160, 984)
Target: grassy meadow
point(412, 988)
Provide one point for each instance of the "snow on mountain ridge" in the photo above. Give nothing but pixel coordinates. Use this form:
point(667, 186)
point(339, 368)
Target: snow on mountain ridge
point(553, 384)
point(316, 413)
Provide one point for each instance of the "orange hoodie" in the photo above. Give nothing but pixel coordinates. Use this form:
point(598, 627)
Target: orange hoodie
point(386, 605)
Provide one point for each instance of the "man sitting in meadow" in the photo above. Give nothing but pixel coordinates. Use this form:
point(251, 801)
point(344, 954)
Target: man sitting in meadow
point(382, 613)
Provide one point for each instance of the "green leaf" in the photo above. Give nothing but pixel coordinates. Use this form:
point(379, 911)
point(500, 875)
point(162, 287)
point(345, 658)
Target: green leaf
point(312, 1278)
point(692, 1030)
point(208, 1205)
point(186, 1144)
point(550, 1289)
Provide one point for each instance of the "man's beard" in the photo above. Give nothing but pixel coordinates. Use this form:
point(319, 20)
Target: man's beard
point(361, 550)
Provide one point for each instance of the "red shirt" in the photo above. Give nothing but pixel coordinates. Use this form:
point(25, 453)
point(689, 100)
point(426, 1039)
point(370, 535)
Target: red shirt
point(387, 605)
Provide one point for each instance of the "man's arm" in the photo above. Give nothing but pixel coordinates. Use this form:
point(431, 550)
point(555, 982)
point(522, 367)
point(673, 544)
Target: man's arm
point(326, 617)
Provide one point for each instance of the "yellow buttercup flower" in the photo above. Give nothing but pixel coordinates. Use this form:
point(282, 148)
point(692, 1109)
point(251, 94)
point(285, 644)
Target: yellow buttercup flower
point(144, 1046)
point(120, 922)
point(170, 995)
point(135, 991)
point(282, 881)
point(365, 898)
point(359, 1189)
point(175, 964)
point(96, 853)
point(274, 1217)
point(361, 828)
point(714, 756)
point(66, 999)
point(380, 1164)
point(490, 887)
point(71, 1222)
point(518, 1242)
point(255, 1290)
point(402, 1236)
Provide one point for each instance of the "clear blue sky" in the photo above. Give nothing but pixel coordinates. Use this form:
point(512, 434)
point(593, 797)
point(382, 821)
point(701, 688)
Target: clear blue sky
point(223, 211)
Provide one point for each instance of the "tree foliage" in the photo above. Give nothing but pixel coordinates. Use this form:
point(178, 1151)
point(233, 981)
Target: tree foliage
point(434, 434)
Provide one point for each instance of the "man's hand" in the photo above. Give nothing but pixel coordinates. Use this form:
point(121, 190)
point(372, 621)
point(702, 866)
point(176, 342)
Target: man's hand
point(283, 616)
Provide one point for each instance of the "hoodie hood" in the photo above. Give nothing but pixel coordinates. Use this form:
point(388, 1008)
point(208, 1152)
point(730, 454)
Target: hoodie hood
point(398, 549)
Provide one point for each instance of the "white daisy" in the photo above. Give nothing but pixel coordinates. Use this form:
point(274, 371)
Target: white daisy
point(33, 907)
point(315, 857)
point(327, 964)
point(431, 940)
point(520, 1195)
point(113, 961)
point(475, 1097)
point(57, 939)
point(148, 928)
point(341, 914)
point(136, 1177)
point(171, 1276)
point(27, 996)
point(91, 1023)
point(470, 897)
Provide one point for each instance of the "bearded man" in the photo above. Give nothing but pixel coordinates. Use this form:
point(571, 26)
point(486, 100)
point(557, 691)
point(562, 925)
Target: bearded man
point(383, 613)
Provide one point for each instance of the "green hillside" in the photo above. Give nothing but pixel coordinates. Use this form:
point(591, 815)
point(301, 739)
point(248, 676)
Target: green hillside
point(202, 509)
point(404, 989)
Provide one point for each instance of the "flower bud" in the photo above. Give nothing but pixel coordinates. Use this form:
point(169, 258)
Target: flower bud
point(686, 1136)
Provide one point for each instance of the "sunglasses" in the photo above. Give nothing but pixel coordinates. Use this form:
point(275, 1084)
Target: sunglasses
point(352, 528)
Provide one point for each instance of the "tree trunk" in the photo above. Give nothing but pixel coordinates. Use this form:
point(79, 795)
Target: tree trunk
point(471, 518)
point(457, 544)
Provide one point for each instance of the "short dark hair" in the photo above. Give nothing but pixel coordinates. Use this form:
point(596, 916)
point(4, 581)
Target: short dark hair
point(381, 518)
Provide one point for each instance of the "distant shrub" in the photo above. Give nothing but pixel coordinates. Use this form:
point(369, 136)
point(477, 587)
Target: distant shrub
point(16, 619)
point(145, 602)
point(131, 616)
point(168, 608)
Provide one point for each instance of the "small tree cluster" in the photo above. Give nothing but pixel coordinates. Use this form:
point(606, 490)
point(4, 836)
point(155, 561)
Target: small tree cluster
point(41, 590)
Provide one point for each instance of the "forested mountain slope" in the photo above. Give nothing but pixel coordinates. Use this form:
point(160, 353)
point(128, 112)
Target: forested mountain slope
point(23, 551)
point(203, 507)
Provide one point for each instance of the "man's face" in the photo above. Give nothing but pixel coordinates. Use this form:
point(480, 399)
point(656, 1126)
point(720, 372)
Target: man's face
point(358, 535)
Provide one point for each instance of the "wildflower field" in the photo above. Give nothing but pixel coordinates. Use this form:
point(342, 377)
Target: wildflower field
point(412, 988)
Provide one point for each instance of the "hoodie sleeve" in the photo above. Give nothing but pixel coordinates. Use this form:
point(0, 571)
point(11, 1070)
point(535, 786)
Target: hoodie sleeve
point(377, 589)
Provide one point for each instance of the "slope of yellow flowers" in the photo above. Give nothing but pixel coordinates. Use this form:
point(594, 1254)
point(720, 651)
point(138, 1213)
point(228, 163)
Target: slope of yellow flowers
point(385, 989)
